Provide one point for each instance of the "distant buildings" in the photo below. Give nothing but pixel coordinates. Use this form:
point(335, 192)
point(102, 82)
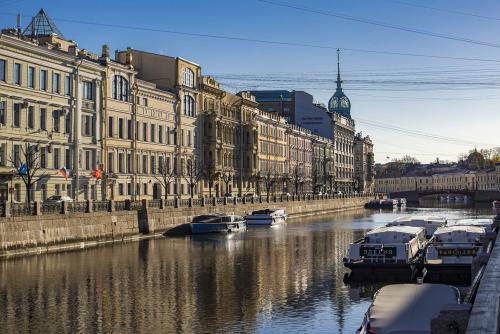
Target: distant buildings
point(364, 163)
point(149, 126)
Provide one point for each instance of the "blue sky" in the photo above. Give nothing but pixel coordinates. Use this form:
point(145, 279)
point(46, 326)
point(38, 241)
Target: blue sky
point(407, 92)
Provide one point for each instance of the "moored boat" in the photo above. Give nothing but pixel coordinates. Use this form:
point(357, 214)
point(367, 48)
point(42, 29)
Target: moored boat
point(429, 223)
point(407, 308)
point(266, 217)
point(390, 250)
point(451, 254)
point(218, 223)
point(382, 204)
point(487, 223)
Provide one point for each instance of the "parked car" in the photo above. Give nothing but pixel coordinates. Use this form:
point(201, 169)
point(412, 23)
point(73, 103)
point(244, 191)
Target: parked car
point(57, 199)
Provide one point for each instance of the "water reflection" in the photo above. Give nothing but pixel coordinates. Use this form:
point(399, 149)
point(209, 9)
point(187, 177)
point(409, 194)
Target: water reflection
point(281, 279)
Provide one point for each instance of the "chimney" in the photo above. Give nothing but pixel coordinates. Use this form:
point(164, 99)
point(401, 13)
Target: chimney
point(105, 51)
point(19, 24)
point(128, 59)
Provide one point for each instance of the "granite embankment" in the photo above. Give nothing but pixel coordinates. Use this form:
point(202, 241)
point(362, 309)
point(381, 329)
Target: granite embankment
point(26, 235)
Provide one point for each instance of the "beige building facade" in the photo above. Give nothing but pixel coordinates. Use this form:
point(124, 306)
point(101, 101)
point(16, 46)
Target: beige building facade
point(364, 164)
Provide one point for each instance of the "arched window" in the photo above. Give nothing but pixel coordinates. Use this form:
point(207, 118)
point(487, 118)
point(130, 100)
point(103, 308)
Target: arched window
point(188, 77)
point(120, 88)
point(189, 106)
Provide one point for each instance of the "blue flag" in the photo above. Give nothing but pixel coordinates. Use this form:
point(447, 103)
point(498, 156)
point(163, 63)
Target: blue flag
point(23, 170)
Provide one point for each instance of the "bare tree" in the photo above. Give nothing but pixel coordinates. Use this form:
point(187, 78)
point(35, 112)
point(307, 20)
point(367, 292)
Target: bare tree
point(269, 181)
point(193, 173)
point(210, 175)
point(28, 167)
point(297, 178)
point(166, 176)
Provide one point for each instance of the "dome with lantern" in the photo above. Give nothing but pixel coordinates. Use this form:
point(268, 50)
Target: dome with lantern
point(339, 102)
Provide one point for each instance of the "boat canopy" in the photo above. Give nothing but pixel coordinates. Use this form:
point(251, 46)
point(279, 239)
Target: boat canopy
point(409, 308)
point(459, 233)
point(217, 218)
point(267, 211)
point(394, 234)
point(487, 223)
point(423, 219)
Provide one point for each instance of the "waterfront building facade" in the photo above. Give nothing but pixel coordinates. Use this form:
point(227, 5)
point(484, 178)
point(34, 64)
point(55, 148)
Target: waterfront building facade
point(300, 160)
point(272, 156)
point(183, 78)
point(48, 88)
point(364, 164)
point(323, 165)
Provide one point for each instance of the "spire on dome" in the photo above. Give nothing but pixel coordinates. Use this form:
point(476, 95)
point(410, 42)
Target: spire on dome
point(42, 25)
point(339, 82)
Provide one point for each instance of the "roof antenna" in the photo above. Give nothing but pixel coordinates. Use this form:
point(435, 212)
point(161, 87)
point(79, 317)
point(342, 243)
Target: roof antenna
point(18, 25)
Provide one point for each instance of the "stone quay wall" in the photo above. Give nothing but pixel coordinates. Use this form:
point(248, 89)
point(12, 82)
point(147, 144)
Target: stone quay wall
point(25, 235)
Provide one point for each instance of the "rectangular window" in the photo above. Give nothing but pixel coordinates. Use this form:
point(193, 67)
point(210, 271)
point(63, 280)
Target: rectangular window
point(3, 154)
point(145, 188)
point(137, 130)
point(160, 134)
point(167, 135)
point(2, 70)
point(175, 136)
point(129, 163)
point(31, 77)
point(145, 102)
point(110, 162)
point(31, 117)
point(88, 90)
point(153, 165)
point(16, 115)
point(144, 132)
point(67, 122)
point(68, 158)
point(56, 83)
point(144, 164)
point(121, 157)
point(153, 133)
point(67, 85)
point(110, 126)
point(56, 121)
point(43, 119)
point(167, 164)
point(17, 156)
point(2, 112)
point(56, 156)
point(129, 189)
point(43, 79)
point(138, 100)
point(87, 160)
point(43, 157)
point(87, 123)
point(120, 128)
point(129, 129)
point(17, 74)
point(189, 137)
point(182, 137)
point(120, 189)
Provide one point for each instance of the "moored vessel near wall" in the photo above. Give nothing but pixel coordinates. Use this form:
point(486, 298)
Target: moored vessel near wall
point(218, 223)
point(387, 251)
point(487, 223)
point(382, 204)
point(407, 308)
point(451, 254)
point(429, 223)
point(266, 217)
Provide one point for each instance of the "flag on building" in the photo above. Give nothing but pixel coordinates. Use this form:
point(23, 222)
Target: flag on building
point(64, 172)
point(23, 170)
point(98, 173)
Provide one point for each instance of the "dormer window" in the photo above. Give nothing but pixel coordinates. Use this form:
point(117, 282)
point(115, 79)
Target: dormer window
point(188, 77)
point(120, 88)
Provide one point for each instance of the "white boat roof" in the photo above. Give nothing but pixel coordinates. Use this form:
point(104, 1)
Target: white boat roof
point(460, 228)
point(475, 221)
point(396, 229)
point(420, 218)
point(409, 308)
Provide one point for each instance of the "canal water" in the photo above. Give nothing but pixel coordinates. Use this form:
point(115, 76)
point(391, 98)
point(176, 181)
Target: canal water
point(286, 279)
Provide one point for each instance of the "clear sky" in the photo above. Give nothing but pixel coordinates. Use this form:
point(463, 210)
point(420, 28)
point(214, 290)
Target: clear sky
point(445, 97)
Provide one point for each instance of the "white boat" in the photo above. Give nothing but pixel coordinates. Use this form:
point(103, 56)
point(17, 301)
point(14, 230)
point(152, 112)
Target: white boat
point(218, 223)
point(394, 248)
point(266, 217)
point(429, 223)
point(452, 252)
point(407, 308)
point(487, 223)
